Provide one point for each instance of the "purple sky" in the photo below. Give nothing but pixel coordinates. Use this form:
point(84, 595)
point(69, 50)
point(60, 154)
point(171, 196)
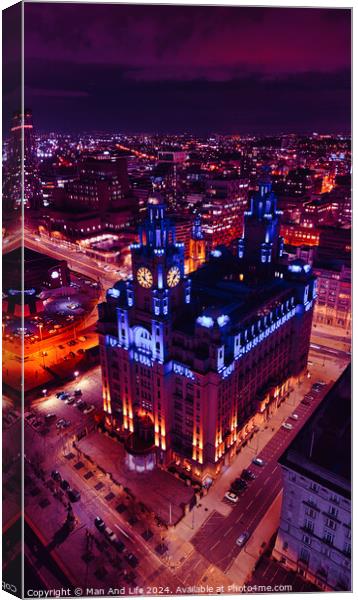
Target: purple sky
point(200, 69)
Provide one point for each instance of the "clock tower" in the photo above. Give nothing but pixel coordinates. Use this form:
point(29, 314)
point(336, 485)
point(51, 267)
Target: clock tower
point(158, 288)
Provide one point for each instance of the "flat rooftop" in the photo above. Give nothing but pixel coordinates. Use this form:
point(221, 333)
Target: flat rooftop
point(322, 448)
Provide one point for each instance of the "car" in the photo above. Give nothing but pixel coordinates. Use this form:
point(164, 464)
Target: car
point(100, 524)
point(74, 495)
point(78, 392)
point(70, 400)
point(321, 383)
point(110, 534)
point(294, 416)
point(64, 396)
point(82, 338)
point(89, 409)
point(242, 539)
point(82, 406)
point(231, 497)
point(309, 397)
point(65, 485)
point(59, 394)
point(258, 461)
point(287, 426)
point(240, 483)
point(50, 418)
point(61, 347)
point(306, 402)
point(131, 559)
point(56, 475)
point(63, 423)
point(247, 474)
point(80, 351)
point(119, 545)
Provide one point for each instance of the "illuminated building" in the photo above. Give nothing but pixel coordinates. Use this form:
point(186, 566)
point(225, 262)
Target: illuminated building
point(297, 235)
point(334, 295)
point(223, 209)
point(210, 356)
point(197, 251)
point(97, 201)
point(314, 537)
point(22, 135)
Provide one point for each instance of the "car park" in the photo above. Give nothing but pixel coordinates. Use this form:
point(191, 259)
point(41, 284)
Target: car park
point(258, 461)
point(242, 539)
point(231, 497)
point(287, 426)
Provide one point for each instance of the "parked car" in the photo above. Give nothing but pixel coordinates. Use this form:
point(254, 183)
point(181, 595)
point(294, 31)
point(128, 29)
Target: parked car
point(258, 461)
point(119, 545)
point(78, 392)
point(247, 474)
point(110, 534)
point(63, 423)
point(294, 416)
point(131, 559)
point(70, 400)
point(50, 418)
point(241, 482)
point(59, 394)
point(74, 495)
point(56, 475)
point(232, 497)
point(100, 524)
point(242, 539)
point(89, 409)
point(287, 426)
point(65, 485)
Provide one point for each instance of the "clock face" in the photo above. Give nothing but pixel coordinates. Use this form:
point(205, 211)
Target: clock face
point(145, 277)
point(173, 276)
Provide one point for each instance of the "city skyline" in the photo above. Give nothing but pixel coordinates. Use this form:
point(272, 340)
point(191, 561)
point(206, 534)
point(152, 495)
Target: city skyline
point(121, 70)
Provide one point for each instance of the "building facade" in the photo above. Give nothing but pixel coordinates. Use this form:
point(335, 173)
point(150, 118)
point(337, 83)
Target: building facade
point(205, 357)
point(314, 536)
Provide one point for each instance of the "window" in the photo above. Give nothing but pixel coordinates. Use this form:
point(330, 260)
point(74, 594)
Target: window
point(309, 525)
point(328, 537)
point(306, 540)
point(304, 555)
point(331, 524)
point(333, 510)
point(347, 548)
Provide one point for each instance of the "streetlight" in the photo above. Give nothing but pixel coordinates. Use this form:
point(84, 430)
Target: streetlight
point(40, 326)
point(44, 392)
point(76, 373)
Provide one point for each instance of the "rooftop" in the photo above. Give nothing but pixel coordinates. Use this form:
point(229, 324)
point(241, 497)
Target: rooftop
point(322, 448)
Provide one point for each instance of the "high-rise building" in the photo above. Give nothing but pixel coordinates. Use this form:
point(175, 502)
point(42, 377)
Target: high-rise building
point(314, 537)
point(22, 156)
point(192, 364)
point(222, 210)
